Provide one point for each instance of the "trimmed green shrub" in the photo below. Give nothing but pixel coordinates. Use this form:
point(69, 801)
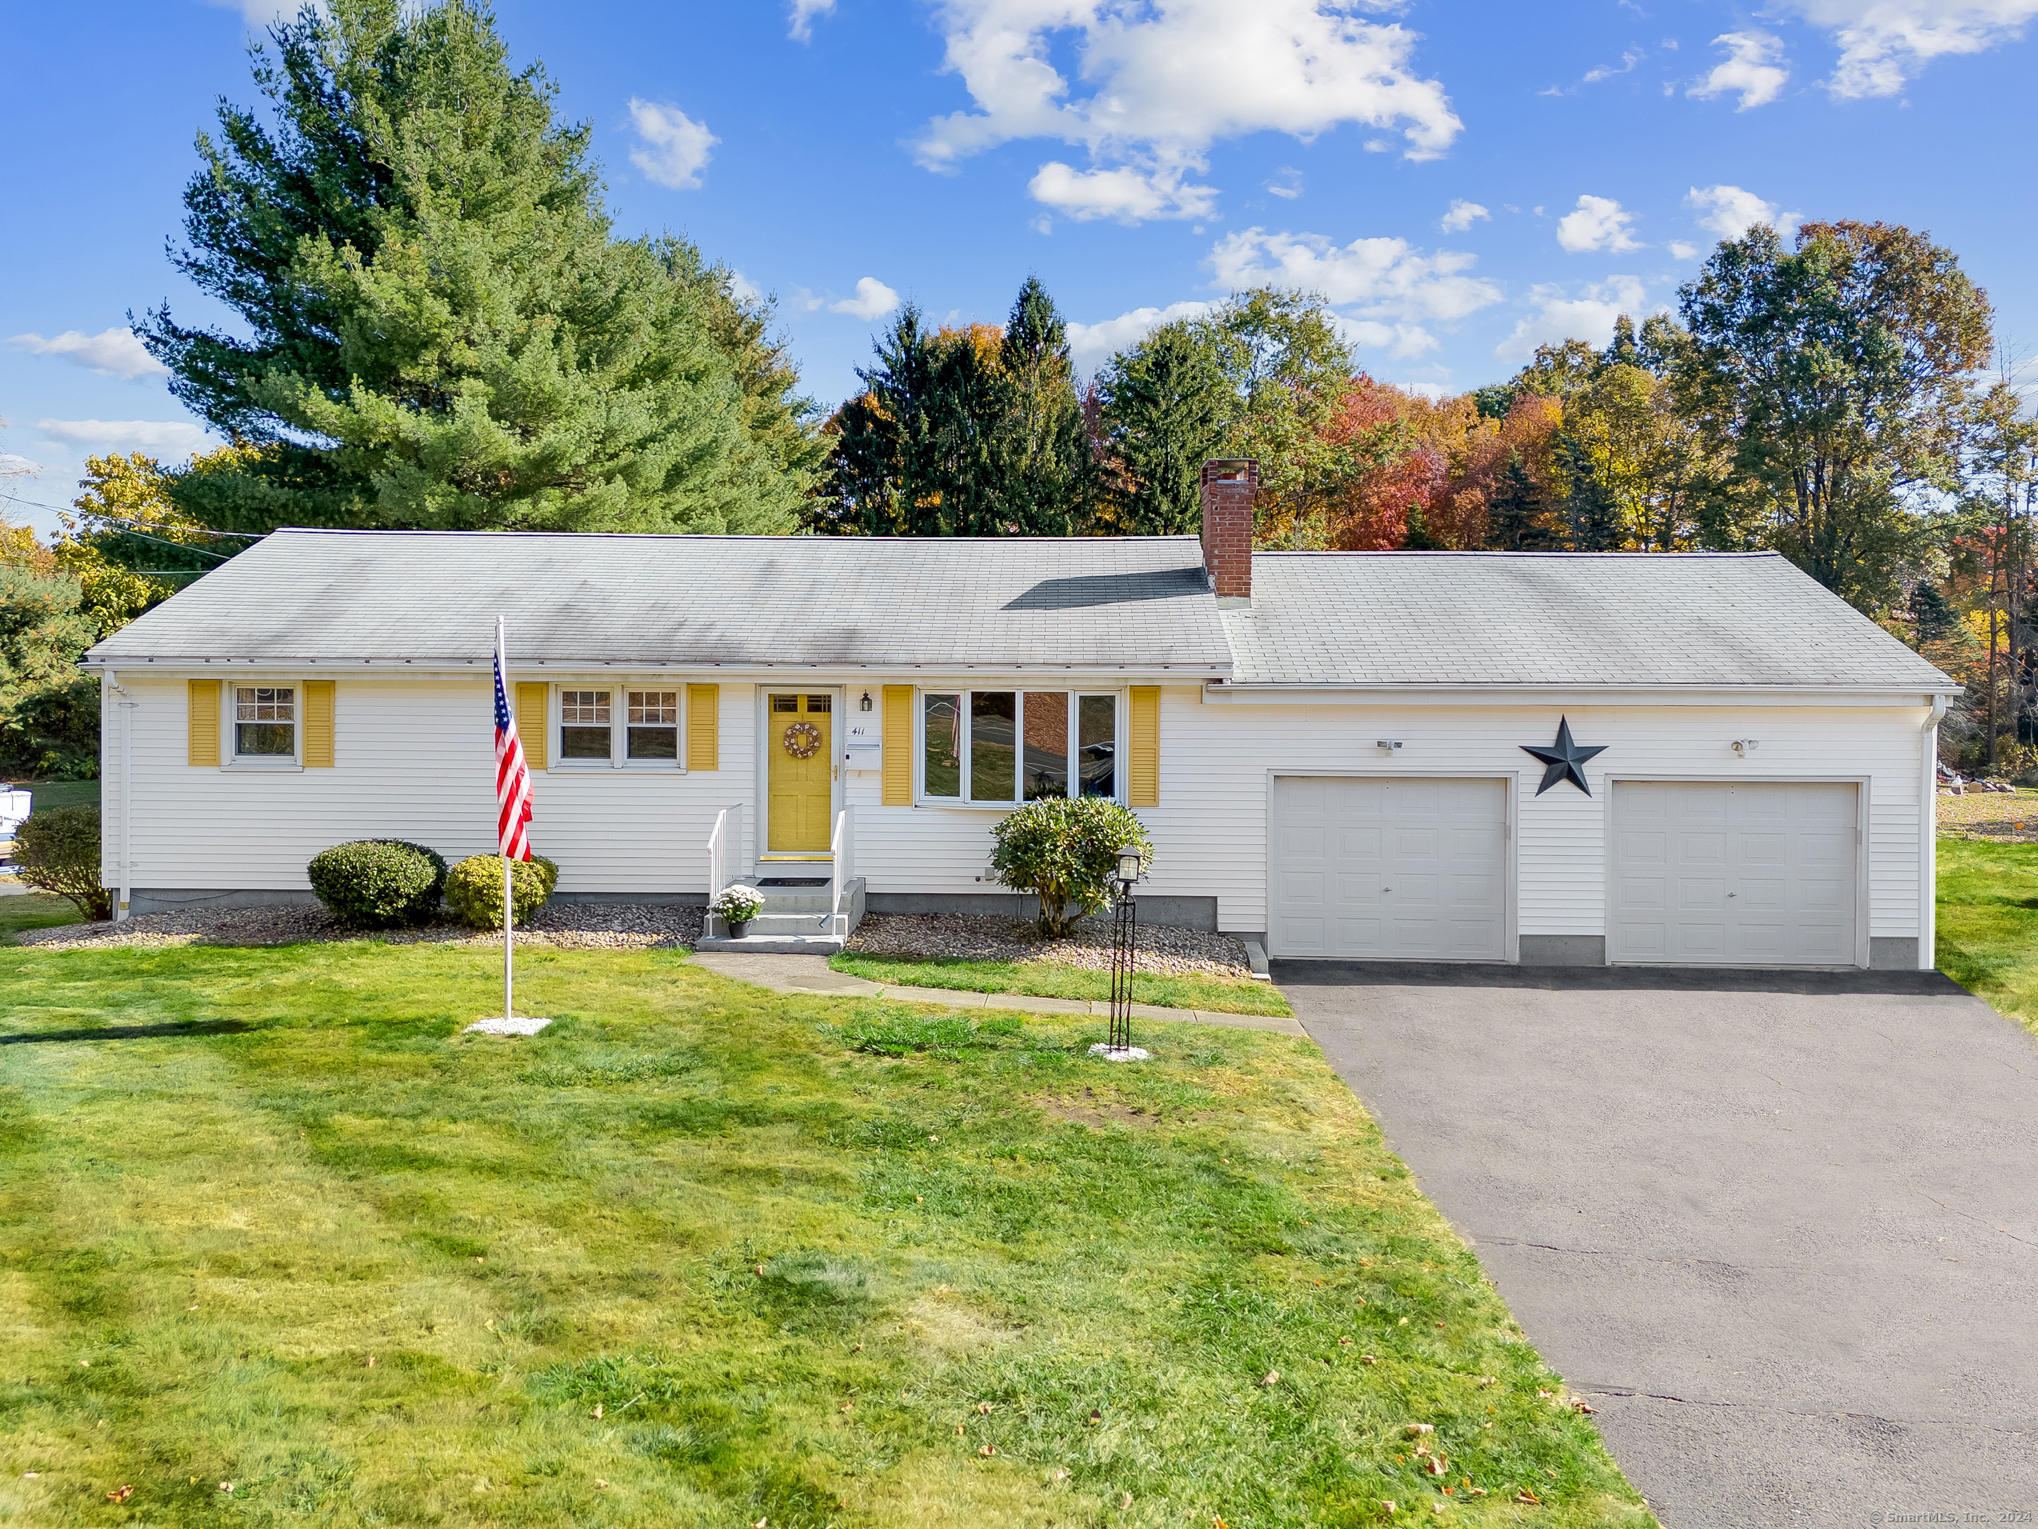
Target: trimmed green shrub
point(378, 883)
point(57, 850)
point(1065, 850)
point(474, 889)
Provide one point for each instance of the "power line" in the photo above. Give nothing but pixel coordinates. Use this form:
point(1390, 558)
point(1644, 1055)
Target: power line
point(69, 509)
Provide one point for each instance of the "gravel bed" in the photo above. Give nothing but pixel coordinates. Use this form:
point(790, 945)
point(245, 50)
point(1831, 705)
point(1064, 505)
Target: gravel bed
point(1163, 949)
point(571, 926)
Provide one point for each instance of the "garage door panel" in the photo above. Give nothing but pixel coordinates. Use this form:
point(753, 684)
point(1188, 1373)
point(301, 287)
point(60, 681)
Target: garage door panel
point(1760, 873)
point(1419, 869)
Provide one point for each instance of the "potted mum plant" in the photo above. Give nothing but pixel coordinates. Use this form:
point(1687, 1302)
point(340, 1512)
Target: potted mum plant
point(737, 906)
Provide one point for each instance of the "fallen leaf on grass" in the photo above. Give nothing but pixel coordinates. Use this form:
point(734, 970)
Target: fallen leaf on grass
point(597, 1410)
point(1368, 1359)
point(120, 1494)
point(226, 1486)
point(599, 1483)
point(1525, 1495)
point(1585, 1408)
point(1125, 1502)
point(958, 1430)
point(1344, 1343)
point(1096, 1416)
point(1271, 1378)
point(988, 1449)
point(1416, 1428)
point(984, 1408)
point(1437, 1466)
point(371, 1362)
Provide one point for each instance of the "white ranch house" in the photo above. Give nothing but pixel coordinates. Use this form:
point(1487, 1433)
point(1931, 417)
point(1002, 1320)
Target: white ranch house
point(1329, 749)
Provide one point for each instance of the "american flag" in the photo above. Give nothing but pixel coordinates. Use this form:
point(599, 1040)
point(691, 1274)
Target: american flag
point(512, 778)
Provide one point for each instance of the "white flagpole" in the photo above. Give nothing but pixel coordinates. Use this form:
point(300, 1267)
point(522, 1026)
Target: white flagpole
point(508, 914)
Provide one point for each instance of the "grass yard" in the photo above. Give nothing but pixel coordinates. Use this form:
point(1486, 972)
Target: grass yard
point(701, 1255)
point(62, 793)
point(1988, 923)
point(34, 910)
point(1047, 979)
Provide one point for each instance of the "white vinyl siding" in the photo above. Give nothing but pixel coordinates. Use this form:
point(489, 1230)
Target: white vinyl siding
point(1407, 868)
point(1735, 874)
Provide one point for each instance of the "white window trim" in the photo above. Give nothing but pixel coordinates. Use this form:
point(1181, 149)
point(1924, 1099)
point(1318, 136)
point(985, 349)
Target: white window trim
point(230, 757)
point(1119, 717)
point(619, 727)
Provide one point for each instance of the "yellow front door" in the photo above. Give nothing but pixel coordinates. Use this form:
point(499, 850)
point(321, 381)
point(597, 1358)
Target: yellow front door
point(801, 742)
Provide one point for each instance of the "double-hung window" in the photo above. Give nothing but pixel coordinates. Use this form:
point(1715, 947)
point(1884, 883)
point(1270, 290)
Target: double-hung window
point(618, 727)
point(265, 724)
point(1009, 746)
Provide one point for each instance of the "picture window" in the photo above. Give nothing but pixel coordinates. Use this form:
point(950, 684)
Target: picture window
point(1004, 746)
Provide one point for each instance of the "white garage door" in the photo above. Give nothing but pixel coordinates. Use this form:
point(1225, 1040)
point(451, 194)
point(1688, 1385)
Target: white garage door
point(1740, 875)
point(1388, 869)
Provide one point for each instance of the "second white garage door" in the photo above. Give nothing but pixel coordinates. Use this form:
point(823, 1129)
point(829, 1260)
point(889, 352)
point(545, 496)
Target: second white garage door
point(1388, 869)
point(1751, 875)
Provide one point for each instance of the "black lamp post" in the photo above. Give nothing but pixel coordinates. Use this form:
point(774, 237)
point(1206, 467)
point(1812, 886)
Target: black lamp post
point(1122, 951)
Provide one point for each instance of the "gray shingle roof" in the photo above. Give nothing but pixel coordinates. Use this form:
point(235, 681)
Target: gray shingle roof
point(1089, 602)
point(1484, 618)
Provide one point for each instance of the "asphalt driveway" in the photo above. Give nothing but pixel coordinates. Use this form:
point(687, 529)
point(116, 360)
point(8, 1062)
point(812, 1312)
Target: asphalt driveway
point(1781, 1228)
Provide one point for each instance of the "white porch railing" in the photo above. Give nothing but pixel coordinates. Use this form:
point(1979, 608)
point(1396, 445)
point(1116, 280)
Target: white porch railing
point(722, 840)
point(842, 849)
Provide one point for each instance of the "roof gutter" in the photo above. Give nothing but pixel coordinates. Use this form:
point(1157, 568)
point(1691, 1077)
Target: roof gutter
point(1117, 674)
point(1723, 694)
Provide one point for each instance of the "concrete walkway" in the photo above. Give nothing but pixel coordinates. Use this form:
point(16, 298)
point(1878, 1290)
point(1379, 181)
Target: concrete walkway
point(1781, 1227)
point(812, 974)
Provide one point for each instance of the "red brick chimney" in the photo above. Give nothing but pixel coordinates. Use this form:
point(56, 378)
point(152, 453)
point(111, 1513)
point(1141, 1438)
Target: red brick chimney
point(1228, 490)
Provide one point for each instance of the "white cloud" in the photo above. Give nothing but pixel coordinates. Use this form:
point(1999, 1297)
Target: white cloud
point(1091, 345)
point(1628, 60)
point(1598, 224)
point(1885, 42)
point(1382, 278)
point(1462, 215)
point(1730, 212)
point(743, 289)
point(1404, 342)
point(163, 437)
point(1289, 186)
point(674, 148)
point(12, 466)
point(258, 13)
point(1130, 196)
point(1166, 81)
point(1430, 390)
point(111, 352)
point(873, 300)
point(1589, 316)
point(1679, 250)
point(801, 14)
point(1754, 66)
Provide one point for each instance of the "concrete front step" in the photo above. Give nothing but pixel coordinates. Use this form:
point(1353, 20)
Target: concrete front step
point(774, 944)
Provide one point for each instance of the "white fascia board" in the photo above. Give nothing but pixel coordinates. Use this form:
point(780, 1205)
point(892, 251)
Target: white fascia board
point(959, 676)
point(1573, 695)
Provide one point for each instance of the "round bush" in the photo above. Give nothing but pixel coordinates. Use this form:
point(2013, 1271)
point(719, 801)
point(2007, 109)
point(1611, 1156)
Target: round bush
point(474, 889)
point(57, 850)
point(378, 883)
point(1065, 849)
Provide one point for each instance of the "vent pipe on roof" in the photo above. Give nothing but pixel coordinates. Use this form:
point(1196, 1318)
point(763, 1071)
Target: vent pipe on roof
point(1228, 490)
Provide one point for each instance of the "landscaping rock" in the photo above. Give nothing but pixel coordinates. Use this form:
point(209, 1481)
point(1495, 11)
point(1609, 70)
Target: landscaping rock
point(1163, 949)
point(573, 926)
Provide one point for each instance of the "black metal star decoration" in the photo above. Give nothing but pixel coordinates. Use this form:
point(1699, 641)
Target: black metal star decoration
point(1563, 759)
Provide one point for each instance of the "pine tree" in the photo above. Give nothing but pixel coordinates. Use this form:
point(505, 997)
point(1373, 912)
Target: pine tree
point(1592, 519)
point(441, 329)
point(1164, 406)
point(1047, 478)
point(1515, 519)
point(1932, 615)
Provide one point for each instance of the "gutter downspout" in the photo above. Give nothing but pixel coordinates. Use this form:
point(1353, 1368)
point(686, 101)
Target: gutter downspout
point(127, 704)
point(1928, 835)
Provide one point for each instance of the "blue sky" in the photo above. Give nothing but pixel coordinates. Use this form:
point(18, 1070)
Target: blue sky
point(1462, 181)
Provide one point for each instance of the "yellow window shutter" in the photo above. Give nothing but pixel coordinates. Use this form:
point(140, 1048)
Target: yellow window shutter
point(318, 724)
point(203, 747)
point(531, 727)
point(1143, 752)
point(897, 752)
point(704, 727)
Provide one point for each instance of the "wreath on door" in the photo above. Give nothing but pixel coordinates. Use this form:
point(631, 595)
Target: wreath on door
point(802, 740)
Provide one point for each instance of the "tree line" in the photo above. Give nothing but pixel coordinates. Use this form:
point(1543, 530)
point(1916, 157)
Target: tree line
point(439, 328)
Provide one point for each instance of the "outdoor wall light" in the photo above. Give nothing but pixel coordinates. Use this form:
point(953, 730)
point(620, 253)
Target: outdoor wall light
point(864, 704)
point(1387, 745)
point(1745, 746)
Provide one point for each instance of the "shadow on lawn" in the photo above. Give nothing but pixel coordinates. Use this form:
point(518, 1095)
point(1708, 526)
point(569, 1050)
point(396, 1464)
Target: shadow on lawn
point(133, 1032)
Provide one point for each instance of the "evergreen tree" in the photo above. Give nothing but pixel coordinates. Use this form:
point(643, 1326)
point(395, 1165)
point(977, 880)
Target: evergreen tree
point(441, 330)
point(1592, 519)
point(1164, 404)
point(1515, 520)
point(1047, 478)
point(1932, 615)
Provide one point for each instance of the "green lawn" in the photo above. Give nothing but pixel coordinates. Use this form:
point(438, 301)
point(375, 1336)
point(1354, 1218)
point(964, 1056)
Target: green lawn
point(63, 793)
point(1046, 979)
point(1988, 923)
point(34, 910)
point(701, 1255)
